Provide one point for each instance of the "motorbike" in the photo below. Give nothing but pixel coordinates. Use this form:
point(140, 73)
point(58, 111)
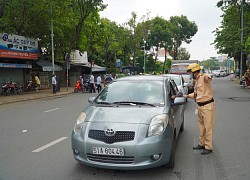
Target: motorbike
point(11, 87)
point(78, 86)
point(244, 83)
point(30, 86)
point(81, 87)
point(86, 87)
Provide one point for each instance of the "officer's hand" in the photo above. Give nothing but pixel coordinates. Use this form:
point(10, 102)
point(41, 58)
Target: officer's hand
point(173, 97)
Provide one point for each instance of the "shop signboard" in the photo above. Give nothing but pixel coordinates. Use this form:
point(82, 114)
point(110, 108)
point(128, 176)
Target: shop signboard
point(18, 47)
point(15, 66)
point(77, 57)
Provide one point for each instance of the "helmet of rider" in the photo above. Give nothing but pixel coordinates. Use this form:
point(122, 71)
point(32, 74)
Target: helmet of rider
point(195, 67)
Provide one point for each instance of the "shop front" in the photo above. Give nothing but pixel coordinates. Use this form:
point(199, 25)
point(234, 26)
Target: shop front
point(14, 72)
point(17, 55)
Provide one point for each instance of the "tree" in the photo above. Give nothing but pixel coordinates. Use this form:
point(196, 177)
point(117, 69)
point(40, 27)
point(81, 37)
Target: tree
point(135, 37)
point(82, 9)
point(228, 36)
point(160, 36)
point(183, 54)
point(183, 30)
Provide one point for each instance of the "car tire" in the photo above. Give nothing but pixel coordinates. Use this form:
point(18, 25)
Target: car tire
point(182, 126)
point(171, 162)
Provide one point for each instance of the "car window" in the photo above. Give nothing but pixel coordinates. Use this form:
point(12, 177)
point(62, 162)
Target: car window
point(177, 80)
point(186, 78)
point(133, 91)
point(173, 88)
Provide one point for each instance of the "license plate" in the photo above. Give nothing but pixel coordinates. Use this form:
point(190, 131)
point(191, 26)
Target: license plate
point(108, 151)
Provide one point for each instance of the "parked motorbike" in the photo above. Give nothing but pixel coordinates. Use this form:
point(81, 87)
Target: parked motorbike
point(30, 86)
point(86, 87)
point(244, 83)
point(79, 87)
point(11, 87)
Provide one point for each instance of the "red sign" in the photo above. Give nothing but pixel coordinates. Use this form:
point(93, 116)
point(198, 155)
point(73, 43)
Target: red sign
point(18, 55)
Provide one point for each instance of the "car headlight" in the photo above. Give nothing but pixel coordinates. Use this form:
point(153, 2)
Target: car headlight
point(79, 122)
point(158, 125)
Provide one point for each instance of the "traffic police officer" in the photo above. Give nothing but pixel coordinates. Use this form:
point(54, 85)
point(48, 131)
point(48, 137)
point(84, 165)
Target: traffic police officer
point(203, 95)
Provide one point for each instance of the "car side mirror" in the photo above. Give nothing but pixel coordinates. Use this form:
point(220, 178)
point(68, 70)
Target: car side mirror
point(186, 84)
point(91, 99)
point(179, 101)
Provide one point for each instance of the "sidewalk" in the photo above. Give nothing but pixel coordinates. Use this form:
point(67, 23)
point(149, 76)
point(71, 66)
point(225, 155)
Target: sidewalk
point(26, 96)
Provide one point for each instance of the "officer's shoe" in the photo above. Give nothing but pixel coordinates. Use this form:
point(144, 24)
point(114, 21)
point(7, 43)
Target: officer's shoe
point(206, 151)
point(198, 147)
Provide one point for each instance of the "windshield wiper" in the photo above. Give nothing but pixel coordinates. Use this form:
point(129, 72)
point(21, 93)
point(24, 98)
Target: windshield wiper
point(133, 103)
point(104, 103)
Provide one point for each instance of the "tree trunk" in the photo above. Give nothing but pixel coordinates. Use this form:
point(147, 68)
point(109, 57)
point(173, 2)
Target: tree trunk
point(67, 59)
point(164, 65)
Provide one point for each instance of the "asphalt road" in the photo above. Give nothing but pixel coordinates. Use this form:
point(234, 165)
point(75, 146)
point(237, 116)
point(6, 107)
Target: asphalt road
point(35, 141)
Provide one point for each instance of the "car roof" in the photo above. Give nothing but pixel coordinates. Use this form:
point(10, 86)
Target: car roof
point(172, 75)
point(142, 77)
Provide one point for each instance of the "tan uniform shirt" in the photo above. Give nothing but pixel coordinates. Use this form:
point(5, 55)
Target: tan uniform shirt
point(203, 90)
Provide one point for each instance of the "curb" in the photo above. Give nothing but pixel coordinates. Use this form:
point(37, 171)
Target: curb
point(42, 96)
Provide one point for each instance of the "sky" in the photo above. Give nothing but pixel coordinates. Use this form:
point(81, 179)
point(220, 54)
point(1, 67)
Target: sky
point(203, 12)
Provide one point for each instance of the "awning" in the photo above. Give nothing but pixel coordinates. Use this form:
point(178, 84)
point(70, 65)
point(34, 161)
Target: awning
point(95, 68)
point(47, 66)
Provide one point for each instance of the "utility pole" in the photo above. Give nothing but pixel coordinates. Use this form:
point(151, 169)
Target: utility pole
point(52, 38)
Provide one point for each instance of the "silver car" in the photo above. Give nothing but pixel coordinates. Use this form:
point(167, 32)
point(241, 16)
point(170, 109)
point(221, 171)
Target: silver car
point(132, 124)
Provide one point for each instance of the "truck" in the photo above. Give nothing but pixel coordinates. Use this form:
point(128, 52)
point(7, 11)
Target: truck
point(180, 66)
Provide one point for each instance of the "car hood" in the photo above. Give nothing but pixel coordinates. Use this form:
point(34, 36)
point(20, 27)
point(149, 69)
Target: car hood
point(123, 114)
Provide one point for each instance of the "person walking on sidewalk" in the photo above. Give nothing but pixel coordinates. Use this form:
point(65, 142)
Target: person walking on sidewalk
point(54, 83)
point(38, 83)
point(98, 83)
point(92, 84)
point(203, 95)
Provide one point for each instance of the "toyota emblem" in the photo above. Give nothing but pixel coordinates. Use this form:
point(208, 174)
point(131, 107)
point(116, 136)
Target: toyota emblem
point(109, 132)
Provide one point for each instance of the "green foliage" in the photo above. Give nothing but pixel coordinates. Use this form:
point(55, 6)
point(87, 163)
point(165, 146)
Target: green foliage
point(247, 45)
point(183, 54)
point(228, 36)
point(183, 30)
point(77, 25)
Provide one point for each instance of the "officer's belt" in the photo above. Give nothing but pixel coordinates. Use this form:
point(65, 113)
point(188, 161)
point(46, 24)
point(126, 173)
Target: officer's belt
point(205, 103)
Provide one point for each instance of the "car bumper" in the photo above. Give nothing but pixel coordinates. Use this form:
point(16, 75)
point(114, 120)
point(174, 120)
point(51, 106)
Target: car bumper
point(140, 153)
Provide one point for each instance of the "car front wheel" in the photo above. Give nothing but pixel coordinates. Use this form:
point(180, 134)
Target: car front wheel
point(182, 126)
point(171, 162)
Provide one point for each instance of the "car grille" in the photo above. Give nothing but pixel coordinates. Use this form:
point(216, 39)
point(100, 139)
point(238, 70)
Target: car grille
point(111, 159)
point(119, 136)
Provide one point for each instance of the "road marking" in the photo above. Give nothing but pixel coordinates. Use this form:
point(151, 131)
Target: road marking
point(50, 144)
point(51, 110)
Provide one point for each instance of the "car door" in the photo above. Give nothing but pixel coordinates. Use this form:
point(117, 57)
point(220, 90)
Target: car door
point(177, 110)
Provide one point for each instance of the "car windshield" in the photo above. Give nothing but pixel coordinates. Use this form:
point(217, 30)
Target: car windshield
point(133, 93)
